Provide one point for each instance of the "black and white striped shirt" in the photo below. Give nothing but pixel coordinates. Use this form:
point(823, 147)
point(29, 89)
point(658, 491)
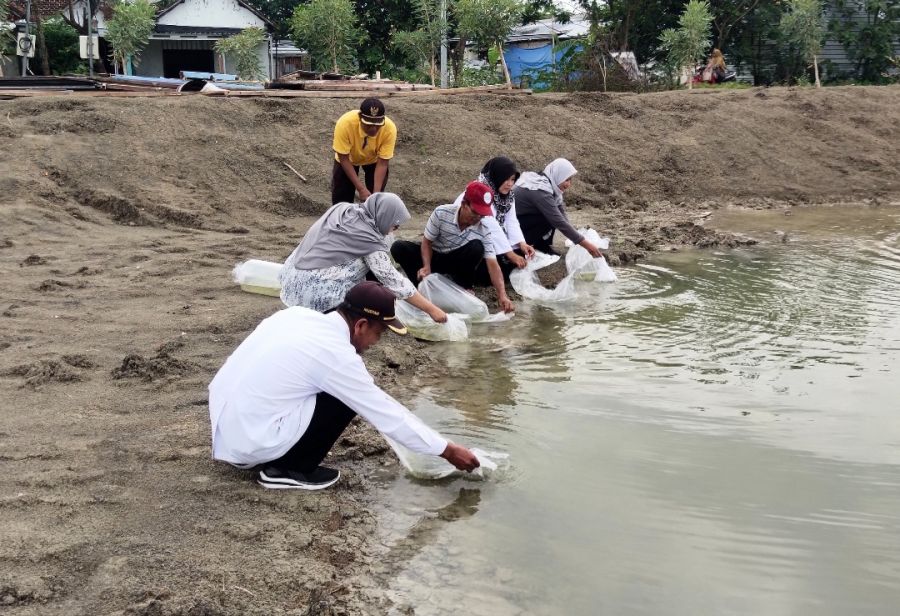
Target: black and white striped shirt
point(443, 231)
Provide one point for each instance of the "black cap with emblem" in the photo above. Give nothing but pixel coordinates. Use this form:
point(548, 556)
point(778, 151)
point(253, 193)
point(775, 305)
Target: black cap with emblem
point(371, 300)
point(372, 112)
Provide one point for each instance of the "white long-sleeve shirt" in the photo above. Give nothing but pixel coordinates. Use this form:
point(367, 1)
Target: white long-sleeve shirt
point(505, 238)
point(262, 400)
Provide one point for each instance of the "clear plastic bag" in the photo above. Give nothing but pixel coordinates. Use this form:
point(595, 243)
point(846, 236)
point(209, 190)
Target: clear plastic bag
point(461, 307)
point(580, 263)
point(527, 285)
point(257, 276)
point(450, 297)
point(422, 326)
point(540, 260)
point(433, 467)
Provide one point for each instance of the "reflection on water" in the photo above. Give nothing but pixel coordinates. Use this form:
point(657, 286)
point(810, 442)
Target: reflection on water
point(716, 433)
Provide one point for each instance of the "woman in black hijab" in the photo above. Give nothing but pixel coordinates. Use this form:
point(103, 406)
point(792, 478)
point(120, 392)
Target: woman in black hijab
point(500, 173)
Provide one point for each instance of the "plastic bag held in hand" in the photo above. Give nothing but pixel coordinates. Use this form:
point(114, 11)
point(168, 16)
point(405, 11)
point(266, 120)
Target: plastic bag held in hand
point(526, 283)
point(432, 467)
point(424, 327)
point(450, 297)
point(580, 262)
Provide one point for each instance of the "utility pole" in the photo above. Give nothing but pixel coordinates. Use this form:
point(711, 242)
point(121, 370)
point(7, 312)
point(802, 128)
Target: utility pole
point(90, 41)
point(27, 37)
point(444, 44)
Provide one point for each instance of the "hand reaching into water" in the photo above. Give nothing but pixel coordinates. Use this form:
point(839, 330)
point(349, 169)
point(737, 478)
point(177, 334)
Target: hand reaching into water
point(460, 457)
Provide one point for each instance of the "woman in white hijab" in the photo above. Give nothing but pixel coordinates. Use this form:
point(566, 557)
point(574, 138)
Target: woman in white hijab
point(341, 248)
point(542, 210)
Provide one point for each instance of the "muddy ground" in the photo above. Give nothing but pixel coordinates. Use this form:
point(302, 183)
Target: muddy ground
point(121, 220)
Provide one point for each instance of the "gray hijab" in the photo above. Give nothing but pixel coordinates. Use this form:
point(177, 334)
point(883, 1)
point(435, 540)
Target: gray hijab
point(554, 174)
point(349, 231)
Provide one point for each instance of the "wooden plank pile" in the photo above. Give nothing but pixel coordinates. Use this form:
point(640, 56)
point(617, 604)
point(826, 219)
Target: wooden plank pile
point(334, 82)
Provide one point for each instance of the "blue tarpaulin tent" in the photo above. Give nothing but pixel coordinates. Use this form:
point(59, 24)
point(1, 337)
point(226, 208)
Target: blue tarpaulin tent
point(529, 62)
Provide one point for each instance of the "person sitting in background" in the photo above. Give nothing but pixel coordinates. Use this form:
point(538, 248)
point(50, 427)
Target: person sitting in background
point(715, 68)
point(542, 210)
point(456, 242)
point(500, 174)
point(343, 247)
point(291, 388)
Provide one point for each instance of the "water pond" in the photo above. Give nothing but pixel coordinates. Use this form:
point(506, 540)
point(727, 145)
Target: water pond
point(718, 432)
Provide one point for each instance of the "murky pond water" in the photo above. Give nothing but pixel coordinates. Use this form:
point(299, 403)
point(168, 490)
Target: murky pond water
point(718, 432)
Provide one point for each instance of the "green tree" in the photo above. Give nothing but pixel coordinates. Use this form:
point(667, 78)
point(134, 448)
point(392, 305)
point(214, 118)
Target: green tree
point(488, 23)
point(61, 46)
point(727, 14)
point(869, 30)
point(424, 43)
point(687, 44)
point(753, 42)
point(803, 27)
point(6, 38)
point(327, 30)
point(379, 19)
point(534, 10)
point(243, 49)
point(633, 25)
point(279, 12)
point(129, 29)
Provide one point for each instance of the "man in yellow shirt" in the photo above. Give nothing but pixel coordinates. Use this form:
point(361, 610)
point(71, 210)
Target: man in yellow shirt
point(366, 139)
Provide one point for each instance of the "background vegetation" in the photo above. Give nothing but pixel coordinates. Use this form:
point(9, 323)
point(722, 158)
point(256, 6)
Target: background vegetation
point(767, 41)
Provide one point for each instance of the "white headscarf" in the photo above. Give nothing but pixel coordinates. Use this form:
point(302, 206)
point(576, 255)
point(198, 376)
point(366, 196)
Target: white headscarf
point(348, 231)
point(554, 174)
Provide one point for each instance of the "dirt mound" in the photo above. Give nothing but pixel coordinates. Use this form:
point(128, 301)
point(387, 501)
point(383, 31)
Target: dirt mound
point(34, 260)
point(42, 372)
point(159, 366)
point(51, 285)
point(197, 161)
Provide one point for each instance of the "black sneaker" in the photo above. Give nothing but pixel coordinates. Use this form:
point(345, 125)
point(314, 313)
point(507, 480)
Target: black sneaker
point(280, 479)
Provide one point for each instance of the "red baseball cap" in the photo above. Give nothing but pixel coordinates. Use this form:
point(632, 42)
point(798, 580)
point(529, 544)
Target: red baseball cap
point(479, 196)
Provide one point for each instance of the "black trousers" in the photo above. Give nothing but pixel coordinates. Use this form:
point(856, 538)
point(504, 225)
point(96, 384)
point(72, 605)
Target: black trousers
point(459, 264)
point(330, 418)
point(483, 277)
point(342, 189)
point(538, 232)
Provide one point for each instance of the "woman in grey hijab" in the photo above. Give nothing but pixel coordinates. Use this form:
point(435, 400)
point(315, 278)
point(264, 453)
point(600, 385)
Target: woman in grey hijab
point(348, 242)
point(542, 210)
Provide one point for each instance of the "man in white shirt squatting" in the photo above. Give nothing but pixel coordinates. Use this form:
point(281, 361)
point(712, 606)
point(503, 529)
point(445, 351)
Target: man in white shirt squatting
point(289, 390)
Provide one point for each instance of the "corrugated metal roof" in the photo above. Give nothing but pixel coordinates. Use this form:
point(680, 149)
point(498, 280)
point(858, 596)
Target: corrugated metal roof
point(545, 29)
point(285, 48)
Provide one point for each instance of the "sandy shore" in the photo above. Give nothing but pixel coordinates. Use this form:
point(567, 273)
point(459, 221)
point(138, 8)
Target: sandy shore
point(122, 219)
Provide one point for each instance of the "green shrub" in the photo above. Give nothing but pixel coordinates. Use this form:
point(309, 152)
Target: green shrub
point(243, 49)
point(62, 47)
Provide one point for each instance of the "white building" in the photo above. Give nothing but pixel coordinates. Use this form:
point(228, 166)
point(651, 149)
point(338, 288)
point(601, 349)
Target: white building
point(187, 31)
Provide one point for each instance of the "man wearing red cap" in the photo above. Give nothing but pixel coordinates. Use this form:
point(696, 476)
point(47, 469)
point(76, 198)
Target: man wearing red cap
point(364, 138)
point(286, 394)
point(455, 243)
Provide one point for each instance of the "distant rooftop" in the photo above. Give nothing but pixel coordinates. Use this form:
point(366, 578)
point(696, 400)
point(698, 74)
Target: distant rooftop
point(545, 29)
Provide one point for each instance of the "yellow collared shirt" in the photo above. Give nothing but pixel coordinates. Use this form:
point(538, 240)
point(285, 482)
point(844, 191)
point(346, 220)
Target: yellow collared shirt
point(349, 138)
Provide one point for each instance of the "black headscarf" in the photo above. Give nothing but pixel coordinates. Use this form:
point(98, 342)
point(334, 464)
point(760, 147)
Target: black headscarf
point(494, 173)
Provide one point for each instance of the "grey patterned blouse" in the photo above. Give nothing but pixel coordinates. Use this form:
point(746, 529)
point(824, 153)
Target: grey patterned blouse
point(323, 289)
